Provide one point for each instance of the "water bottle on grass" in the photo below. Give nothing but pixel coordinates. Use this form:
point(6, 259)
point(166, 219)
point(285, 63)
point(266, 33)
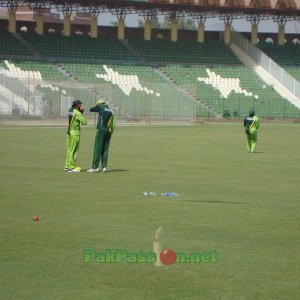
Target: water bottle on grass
point(168, 194)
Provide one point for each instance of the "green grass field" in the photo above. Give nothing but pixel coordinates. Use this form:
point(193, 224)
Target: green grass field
point(244, 206)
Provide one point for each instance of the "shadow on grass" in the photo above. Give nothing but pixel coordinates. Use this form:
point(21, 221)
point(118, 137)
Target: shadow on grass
point(117, 170)
point(108, 171)
point(213, 201)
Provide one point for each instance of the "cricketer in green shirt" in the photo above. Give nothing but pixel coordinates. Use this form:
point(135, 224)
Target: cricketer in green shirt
point(76, 118)
point(105, 129)
point(251, 124)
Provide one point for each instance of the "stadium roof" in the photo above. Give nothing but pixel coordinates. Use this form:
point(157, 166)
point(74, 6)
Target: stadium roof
point(288, 8)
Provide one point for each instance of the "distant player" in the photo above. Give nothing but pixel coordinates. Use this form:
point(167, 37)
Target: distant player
point(105, 128)
point(251, 124)
point(76, 118)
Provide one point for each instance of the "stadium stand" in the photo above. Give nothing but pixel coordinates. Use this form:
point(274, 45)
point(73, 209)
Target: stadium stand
point(78, 47)
point(84, 72)
point(10, 45)
point(287, 56)
point(170, 83)
point(253, 91)
point(48, 72)
point(156, 94)
point(161, 50)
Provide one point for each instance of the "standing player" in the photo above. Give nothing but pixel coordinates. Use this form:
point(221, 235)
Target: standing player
point(76, 118)
point(105, 128)
point(251, 124)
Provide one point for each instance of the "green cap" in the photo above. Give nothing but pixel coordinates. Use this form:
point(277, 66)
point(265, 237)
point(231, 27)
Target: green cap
point(100, 101)
point(251, 112)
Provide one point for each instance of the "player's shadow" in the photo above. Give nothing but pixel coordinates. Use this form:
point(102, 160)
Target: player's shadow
point(109, 171)
point(117, 170)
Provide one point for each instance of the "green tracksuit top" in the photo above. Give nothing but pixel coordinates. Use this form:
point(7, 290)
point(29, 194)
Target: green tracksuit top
point(251, 124)
point(106, 117)
point(77, 119)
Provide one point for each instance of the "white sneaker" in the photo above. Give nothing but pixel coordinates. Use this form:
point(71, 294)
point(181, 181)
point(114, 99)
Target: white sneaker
point(91, 170)
point(104, 170)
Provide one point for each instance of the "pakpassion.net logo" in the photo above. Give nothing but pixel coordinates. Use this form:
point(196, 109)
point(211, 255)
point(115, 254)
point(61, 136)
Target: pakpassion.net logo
point(166, 257)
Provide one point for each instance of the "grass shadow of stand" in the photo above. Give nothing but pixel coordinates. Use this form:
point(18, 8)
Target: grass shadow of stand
point(213, 201)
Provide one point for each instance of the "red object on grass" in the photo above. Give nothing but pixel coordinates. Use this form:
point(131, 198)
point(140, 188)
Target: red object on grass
point(168, 257)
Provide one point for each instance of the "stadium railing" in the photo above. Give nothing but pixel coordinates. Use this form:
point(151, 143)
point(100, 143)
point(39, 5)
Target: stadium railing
point(267, 63)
